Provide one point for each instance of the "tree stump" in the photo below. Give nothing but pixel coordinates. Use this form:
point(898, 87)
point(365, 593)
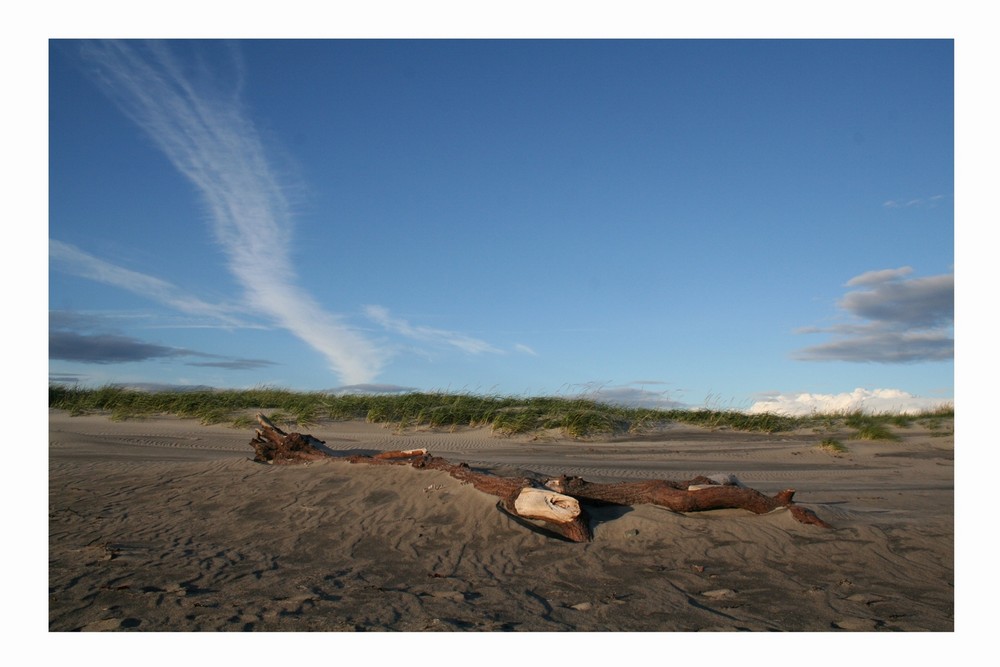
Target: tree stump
point(272, 445)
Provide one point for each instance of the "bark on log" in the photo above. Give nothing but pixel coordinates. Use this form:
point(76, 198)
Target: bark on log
point(272, 445)
point(696, 495)
point(555, 502)
point(403, 454)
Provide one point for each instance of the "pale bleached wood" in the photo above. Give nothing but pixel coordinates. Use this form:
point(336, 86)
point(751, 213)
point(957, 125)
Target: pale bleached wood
point(532, 503)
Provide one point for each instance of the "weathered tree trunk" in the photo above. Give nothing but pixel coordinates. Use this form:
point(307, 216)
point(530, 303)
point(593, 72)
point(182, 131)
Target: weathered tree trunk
point(695, 495)
point(556, 502)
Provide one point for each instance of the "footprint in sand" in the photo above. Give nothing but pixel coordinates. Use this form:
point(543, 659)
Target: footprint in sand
point(109, 624)
point(856, 624)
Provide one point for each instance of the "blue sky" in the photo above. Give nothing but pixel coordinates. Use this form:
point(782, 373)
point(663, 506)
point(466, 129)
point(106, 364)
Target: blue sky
point(732, 223)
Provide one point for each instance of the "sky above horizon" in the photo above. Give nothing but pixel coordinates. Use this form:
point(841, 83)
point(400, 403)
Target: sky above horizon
point(683, 223)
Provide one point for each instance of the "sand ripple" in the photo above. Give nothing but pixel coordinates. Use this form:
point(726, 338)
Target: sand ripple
point(165, 525)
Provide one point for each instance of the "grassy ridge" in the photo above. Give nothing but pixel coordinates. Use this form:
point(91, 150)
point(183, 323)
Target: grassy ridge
point(576, 417)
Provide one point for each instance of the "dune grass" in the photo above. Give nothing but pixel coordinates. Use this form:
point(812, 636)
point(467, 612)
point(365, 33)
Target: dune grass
point(874, 432)
point(577, 417)
point(833, 446)
point(870, 427)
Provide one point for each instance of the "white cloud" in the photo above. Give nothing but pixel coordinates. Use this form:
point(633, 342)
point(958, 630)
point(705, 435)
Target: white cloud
point(524, 349)
point(197, 119)
point(893, 401)
point(915, 202)
point(71, 259)
point(381, 316)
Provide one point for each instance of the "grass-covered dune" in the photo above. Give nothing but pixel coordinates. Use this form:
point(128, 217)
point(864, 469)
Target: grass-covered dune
point(507, 415)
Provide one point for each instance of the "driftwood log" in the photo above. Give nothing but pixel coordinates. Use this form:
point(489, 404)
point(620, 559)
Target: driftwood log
point(554, 502)
point(272, 445)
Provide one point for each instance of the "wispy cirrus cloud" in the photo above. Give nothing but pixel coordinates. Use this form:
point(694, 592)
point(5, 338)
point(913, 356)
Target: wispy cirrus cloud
point(894, 319)
point(233, 364)
point(915, 202)
point(197, 118)
point(468, 344)
point(71, 259)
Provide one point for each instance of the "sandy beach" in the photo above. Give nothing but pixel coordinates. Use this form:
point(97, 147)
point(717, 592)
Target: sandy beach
point(163, 524)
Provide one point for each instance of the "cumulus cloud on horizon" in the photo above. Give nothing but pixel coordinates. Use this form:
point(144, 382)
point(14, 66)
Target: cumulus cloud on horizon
point(893, 401)
point(894, 319)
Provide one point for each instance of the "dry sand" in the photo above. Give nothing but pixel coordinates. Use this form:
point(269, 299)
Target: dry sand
point(163, 524)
